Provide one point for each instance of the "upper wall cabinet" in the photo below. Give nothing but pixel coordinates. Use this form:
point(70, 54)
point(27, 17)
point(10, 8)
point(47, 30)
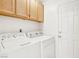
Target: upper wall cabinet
point(25, 9)
point(40, 11)
point(33, 9)
point(0, 4)
point(7, 6)
point(22, 8)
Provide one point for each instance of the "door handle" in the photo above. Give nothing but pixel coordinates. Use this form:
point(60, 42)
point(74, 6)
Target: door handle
point(59, 36)
point(60, 32)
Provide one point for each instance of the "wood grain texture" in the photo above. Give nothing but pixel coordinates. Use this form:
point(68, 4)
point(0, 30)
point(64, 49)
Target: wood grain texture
point(40, 11)
point(8, 6)
point(33, 10)
point(24, 9)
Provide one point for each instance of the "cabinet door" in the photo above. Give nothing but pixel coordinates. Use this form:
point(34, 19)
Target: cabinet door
point(8, 6)
point(22, 8)
point(48, 48)
point(40, 11)
point(33, 10)
point(0, 4)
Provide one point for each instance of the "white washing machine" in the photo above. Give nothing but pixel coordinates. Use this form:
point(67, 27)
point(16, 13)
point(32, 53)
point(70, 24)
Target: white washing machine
point(24, 47)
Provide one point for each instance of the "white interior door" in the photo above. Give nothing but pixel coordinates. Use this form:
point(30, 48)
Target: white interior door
point(68, 32)
point(65, 32)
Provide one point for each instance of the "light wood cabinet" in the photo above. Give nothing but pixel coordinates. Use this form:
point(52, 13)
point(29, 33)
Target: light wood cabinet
point(33, 10)
point(7, 6)
point(22, 8)
point(25, 9)
point(36, 10)
point(40, 11)
point(0, 4)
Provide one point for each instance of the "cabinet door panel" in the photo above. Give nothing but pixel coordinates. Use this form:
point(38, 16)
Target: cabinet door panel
point(8, 6)
point(0, 4)
point(40, 12)
point(48, 48)
point(33, 10)
point(22, 8)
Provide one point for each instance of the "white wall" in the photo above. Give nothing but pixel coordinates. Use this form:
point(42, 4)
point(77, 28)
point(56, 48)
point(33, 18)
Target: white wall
point(10, 24)
point(50, 23)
